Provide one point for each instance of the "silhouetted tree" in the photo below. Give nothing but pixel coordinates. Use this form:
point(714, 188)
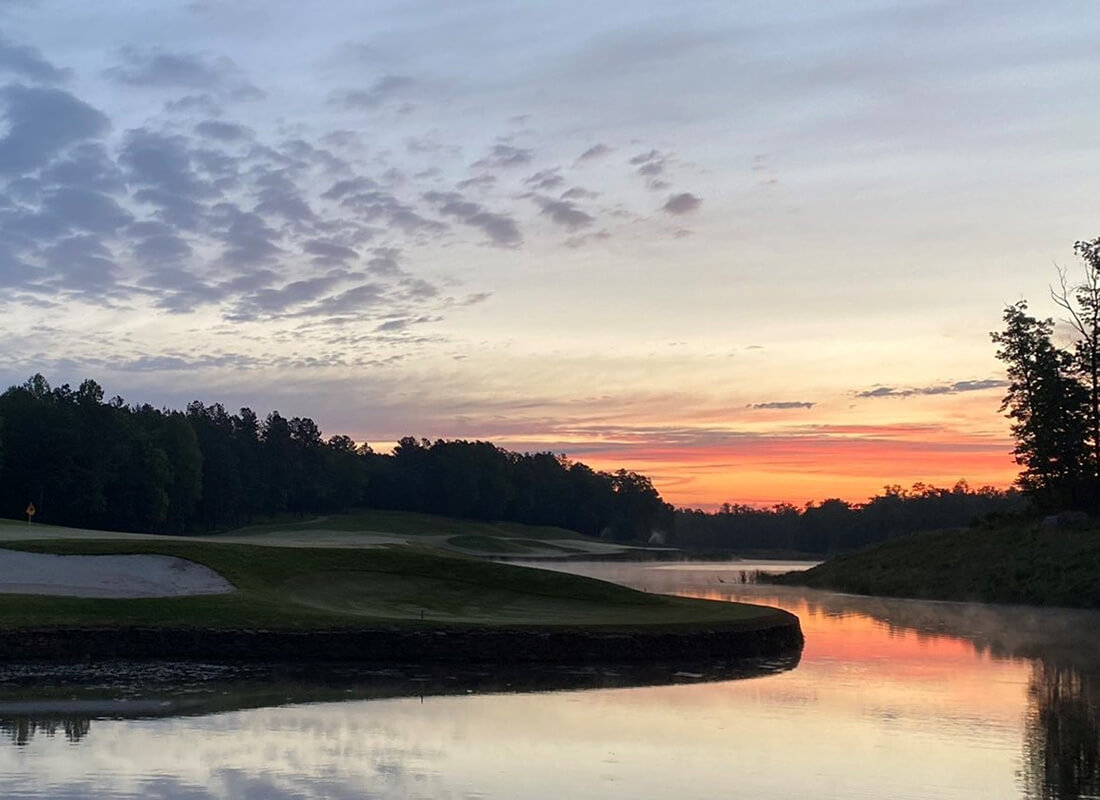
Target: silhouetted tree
point(1048, 409)
point(1082, 304)
point(835, 526)
point(90, 463)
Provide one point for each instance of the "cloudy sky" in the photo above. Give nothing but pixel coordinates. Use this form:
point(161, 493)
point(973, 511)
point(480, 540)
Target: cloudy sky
point(751, 249)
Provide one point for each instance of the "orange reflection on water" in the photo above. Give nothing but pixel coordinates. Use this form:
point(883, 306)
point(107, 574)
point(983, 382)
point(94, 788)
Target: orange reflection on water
point(899, 668)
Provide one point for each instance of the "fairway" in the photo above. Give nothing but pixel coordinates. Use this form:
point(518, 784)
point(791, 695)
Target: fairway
point(368, 529)
point(303, 588)
point(401, 597)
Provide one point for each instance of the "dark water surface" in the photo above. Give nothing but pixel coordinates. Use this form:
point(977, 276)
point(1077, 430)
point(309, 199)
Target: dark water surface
point(891, 699)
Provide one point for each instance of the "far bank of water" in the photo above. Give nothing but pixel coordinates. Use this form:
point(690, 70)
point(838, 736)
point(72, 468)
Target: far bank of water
point(898, 699)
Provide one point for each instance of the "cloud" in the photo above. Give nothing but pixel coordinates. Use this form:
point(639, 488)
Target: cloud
point(40, 123)
point(87, 165)
point(579, 193)
point(14, 272)
point(330, 251)
point(83, 264)
point(266, 302)
point(564, 213)
point(353, 301)
point(247, 237)
point(401, 324)
point(574, 242)
point(345, 187)
point(780, 405)
point(544, 180)
point(651, 165)
point(683, 203)
point(504, 155)
point(178, 291)
point(958, 387)
point(418, 289)
point(595, 151)
point(157, 69)
point(182, 212)
point(163, 162)
point(223, 131)
point(177, 216)
point(428, 144)
point(478, 182)
point(27, 62)
point(383, 90)
point(502, 230)
point(385, 261)
point(652, 156)
point(191, 103)
point(384, 207)
point(86, 209)
point(280, 197)
point(163, 248)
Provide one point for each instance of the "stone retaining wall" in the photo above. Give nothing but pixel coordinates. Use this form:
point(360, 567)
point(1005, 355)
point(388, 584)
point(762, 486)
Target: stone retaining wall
point(780, 635)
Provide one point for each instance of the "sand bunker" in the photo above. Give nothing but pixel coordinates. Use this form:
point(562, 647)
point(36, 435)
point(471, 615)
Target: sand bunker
point(106, 576)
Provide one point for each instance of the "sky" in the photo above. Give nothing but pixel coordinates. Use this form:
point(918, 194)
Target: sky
point(752, 250)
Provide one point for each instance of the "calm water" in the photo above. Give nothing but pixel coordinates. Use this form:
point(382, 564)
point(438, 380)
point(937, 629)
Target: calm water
point(891, 699)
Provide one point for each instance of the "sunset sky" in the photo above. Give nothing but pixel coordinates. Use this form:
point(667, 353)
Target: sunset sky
point(753, 250)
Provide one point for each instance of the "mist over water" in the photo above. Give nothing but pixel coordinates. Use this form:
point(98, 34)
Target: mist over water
point(891, 698)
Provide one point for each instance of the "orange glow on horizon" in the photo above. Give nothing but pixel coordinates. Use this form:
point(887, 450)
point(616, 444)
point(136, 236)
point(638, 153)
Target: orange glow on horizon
point(702, 459)
point(795, 470)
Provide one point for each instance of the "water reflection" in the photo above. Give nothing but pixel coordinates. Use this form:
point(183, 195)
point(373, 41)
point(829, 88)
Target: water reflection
point(29, 700)
point(1059, 647)
point(1062, 747)
point(21, 730)
point(892, 699)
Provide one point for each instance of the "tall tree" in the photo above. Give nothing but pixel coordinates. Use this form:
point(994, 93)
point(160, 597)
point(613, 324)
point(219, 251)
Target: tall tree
point(181, 446)
point(1048, 407)
point(1081, 303)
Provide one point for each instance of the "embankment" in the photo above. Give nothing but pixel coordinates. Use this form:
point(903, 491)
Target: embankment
point(778, 634)
point(1021, 563)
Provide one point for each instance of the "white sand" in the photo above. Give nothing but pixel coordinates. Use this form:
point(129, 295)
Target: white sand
point(106, 576)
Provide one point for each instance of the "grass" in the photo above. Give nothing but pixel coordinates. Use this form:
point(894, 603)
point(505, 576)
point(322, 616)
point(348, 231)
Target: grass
point(1012, 563)
point(313, 588)
point(367, 528)
point(549, 546)
point(490, 544)
point(408, 523)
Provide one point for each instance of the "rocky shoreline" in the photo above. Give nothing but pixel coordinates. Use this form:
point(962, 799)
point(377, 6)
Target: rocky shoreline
point(775, 635)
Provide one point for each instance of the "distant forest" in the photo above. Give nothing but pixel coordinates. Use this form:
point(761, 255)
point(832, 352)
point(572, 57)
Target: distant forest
point(86, 462)
point(835, 526)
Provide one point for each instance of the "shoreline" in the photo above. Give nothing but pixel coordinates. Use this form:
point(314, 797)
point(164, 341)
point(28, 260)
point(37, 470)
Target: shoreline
point(778, 634)
point(77, 694)
point(1009, 564)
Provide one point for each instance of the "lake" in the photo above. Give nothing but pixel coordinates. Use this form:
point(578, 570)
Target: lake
point(891, 699)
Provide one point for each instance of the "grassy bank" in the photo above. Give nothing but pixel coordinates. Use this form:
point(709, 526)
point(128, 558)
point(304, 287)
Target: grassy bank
point(410, 523)
point(1015, 563)
point(369, 528)
point(325, 588)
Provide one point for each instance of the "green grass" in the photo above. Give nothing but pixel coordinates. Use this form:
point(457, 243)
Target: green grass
point(490, 544)
point(329, 587)
point(549, 546)
point(408, 523)
point(1014, 563)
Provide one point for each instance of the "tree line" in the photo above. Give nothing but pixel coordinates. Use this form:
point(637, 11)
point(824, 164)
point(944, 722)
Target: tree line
point(86, 462)
point(836, 526)
point(1053, 395)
